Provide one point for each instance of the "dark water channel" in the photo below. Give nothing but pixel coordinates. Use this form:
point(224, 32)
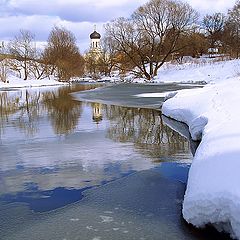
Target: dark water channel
point(76, 170)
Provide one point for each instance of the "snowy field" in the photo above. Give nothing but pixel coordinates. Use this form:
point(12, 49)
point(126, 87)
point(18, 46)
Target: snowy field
point(199, 71)
point(213, 115)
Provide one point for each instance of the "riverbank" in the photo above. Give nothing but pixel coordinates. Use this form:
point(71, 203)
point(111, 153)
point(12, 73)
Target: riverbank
point(212, 114)
point(15, 82)
point(197, 71)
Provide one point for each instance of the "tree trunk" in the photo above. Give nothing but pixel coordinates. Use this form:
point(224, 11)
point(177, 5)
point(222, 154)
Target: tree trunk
point(151, 69)
point(25, 69)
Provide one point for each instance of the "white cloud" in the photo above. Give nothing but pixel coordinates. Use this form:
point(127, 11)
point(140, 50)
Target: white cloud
point(211, 6)
point(42, 25)
point(74, 10)
point(79, 16)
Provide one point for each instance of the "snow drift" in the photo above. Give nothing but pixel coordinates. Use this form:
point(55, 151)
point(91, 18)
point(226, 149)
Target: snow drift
point(213, 190)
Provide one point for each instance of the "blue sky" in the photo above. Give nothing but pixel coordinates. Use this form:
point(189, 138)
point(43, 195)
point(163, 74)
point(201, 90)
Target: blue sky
point(79, 16)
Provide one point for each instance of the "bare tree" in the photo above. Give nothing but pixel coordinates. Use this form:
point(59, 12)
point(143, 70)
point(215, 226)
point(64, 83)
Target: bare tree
point(214, 25)
point(4, 63)
point(3, 70)
point(63, 54)
point(38, 67)
point(108, 57)
point(22, 48)
point(92, 65)
point(232, 30)
point(193, 44)
point(150, 36)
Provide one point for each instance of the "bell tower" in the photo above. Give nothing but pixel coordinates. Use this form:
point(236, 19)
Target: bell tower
point(95, 41)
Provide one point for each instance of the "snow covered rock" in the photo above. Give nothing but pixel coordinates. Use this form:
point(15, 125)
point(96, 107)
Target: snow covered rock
point(170, 95)
point(213, 190)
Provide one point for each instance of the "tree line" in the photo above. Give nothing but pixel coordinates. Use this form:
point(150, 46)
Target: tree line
point(60, 58)
point(157, 32)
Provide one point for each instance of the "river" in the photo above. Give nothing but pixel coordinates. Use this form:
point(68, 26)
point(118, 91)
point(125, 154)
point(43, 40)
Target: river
point(73, 169)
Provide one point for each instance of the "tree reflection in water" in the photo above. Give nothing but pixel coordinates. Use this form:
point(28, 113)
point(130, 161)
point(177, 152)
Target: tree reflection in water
point(24, 108)
point(145, 128)
point(8, 105)
point(34, 156)
point(63, 111)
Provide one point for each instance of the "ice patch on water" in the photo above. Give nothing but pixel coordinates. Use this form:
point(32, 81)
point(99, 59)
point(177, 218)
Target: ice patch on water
point(108, 212)
point(74, 219)
point(155, 95)
point(106, 219)
point(96, 238)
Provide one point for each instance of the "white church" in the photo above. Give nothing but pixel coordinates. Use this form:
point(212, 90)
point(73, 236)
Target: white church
point(95, 57)
point(95, 45)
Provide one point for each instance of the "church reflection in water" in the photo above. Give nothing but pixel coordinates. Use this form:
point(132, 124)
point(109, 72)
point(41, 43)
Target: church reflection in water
point(97, 112)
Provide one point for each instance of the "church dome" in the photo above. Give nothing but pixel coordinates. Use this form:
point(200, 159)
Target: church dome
point(95, 35)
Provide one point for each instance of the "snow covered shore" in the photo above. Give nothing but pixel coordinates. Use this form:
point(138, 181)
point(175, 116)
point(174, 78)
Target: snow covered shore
point(199, 70)
point(202, 70)
point(15, 82)
point(213, 190)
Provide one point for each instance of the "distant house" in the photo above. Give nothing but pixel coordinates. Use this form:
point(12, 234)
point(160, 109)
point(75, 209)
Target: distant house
point(213, 50)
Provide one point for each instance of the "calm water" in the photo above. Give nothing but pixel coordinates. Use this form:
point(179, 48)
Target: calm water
point(76, 170)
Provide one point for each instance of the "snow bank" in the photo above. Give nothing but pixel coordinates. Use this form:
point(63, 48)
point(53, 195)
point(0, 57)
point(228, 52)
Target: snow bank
point(201, 71)
point(15, 82)
point(213, 190)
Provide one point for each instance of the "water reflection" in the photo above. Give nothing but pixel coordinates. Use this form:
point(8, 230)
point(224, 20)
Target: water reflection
point(23, 106)
point(51, 142)
point(63, 111)
point(145, 128)
point(97, 112)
